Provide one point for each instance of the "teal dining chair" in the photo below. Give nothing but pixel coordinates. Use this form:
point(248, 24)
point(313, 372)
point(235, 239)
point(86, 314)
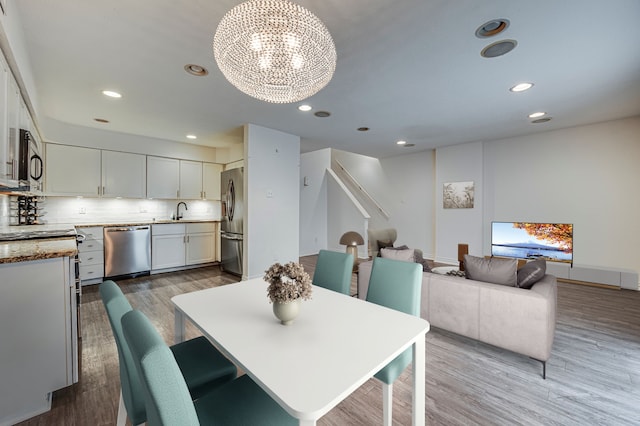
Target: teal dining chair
point(397, 285)
point(333, 271)
point(167, 400)
point(200, 363)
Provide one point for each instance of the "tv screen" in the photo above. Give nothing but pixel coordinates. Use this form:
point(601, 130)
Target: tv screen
point(524, 240)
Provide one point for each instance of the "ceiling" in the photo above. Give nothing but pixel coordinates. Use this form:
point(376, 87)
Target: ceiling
point(406, 69)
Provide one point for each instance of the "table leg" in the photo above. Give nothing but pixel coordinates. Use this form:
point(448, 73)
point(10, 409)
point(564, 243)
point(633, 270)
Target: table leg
point(178, 326)
point(418, 381)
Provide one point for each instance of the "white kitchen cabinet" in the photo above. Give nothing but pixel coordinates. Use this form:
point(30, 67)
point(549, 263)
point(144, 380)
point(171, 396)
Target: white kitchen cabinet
point(13, 127)
point(5, 170)
point(163, 177)
point(201, 243)
point(211, 181)
point(176, 245)
point(72, 170)
point(168, 245)
point(124, 174)
point(91, 255)
point(36, 331)
point(190, 180)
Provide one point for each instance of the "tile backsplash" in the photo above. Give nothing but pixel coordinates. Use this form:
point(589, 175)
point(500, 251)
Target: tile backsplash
point(98, 210)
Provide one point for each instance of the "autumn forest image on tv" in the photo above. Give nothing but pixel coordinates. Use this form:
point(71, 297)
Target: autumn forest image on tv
point(525, 240)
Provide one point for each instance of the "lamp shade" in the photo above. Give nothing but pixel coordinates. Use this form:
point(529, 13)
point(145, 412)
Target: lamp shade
point(351, 238)
point(274, 50)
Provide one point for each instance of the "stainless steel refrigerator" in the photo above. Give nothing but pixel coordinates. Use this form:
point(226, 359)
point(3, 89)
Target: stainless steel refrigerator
point(231, 234)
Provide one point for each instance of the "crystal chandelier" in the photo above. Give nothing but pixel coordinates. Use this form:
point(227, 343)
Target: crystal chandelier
point(274, 50)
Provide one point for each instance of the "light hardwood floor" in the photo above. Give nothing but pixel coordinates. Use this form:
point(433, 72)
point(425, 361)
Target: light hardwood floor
point(593, 376)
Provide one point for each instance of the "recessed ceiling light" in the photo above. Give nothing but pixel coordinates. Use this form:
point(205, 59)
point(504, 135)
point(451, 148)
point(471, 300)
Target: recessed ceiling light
point(101, 120)
point(304, 108)
point(401, 142)
point(192, 137)
point(541, 120)
point(322, 114)
point(111, 94)
point(363, 129)
point(537, 114)
point(521, 87)
point(196, 70)
point(491, 28)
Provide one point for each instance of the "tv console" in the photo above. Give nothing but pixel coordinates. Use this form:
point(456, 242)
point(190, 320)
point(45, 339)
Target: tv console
point(594, 275)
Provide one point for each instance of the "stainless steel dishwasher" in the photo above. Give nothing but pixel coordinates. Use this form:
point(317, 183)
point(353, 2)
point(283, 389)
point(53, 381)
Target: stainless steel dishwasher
point(127, 251)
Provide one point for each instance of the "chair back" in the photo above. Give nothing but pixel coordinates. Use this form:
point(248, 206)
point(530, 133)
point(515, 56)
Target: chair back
point(333, 271)
point(167, 397)
point(116, 305)
point(397, 285)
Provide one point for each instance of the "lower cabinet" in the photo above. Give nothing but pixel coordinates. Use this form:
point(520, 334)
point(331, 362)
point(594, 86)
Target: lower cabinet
point(36, 331)
point(91, 255)
point(175, 245)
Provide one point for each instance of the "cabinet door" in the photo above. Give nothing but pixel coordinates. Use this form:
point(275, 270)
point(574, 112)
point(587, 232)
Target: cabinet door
point(72, 170)
point(4, 132)
point(13, 127)
point(167, 251)
point(163, 177)
point(211, 180)
point(200, 248)
point(190, 180)
point(35, 331)
point(124, 174)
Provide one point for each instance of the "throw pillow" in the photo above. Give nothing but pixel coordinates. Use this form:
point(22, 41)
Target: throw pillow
point(491, 270)
point(406, 255)
point(531, 273)
point(383, 244)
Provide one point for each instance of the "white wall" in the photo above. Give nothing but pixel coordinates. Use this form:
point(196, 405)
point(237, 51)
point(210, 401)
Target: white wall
point(313, 201)
point(403, 185)
point(69, 134)
point(272, 199)
point(458, 163)
point(586, 175)
point(411, 178)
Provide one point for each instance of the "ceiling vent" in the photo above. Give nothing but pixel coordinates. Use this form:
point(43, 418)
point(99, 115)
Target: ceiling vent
point(322, 114)
point(491, 28)
point(498, 48)
point(541, 120)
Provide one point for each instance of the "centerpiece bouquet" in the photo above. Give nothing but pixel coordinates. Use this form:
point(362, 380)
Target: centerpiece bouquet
point(288, 285)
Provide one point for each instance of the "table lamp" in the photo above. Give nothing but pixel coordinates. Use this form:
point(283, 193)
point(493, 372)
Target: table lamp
point(352, 240)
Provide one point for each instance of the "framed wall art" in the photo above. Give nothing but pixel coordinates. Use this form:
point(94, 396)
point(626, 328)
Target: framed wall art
point(458, 195)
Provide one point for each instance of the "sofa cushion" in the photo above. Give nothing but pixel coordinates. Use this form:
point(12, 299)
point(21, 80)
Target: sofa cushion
point(491, 270)
point(407, 254)
point(531, 273)
point(383, 244)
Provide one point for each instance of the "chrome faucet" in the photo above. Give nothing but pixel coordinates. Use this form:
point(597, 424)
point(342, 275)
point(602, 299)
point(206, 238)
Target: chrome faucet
point(178, 215)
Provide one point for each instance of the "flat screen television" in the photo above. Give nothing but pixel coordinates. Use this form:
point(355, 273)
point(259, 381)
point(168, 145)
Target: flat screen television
point(525, 240)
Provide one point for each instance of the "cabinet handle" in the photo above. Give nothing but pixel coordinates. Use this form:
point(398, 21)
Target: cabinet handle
point(14, 169)
point(205, 194)
point(178, 193)
point(98, 189)
point(103, 190)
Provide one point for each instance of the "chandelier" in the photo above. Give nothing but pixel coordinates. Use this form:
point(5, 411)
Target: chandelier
point(274, 50)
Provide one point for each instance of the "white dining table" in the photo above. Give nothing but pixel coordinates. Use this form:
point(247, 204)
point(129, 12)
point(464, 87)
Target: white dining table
point(335, 344)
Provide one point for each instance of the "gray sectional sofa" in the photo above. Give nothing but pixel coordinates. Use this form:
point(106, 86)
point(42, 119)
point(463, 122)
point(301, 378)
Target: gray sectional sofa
point(517, 319)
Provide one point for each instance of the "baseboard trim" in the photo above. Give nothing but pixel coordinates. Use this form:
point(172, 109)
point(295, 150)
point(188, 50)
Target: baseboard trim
point(610, 287)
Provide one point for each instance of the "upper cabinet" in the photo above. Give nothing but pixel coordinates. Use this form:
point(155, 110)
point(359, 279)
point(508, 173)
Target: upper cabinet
point(124, 174)
point(5, 159)
point(163, 177)
point(190, 180)
point(170, 178)
point(73, 170)
point(211, 181)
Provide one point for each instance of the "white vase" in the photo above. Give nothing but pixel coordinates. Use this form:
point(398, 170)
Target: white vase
point(286, 312)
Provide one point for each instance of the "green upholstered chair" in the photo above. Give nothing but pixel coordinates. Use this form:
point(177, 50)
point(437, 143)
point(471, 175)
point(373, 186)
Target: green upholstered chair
point(239, 402)
point(201, 364)
point(396, 285)
point(333, 271)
